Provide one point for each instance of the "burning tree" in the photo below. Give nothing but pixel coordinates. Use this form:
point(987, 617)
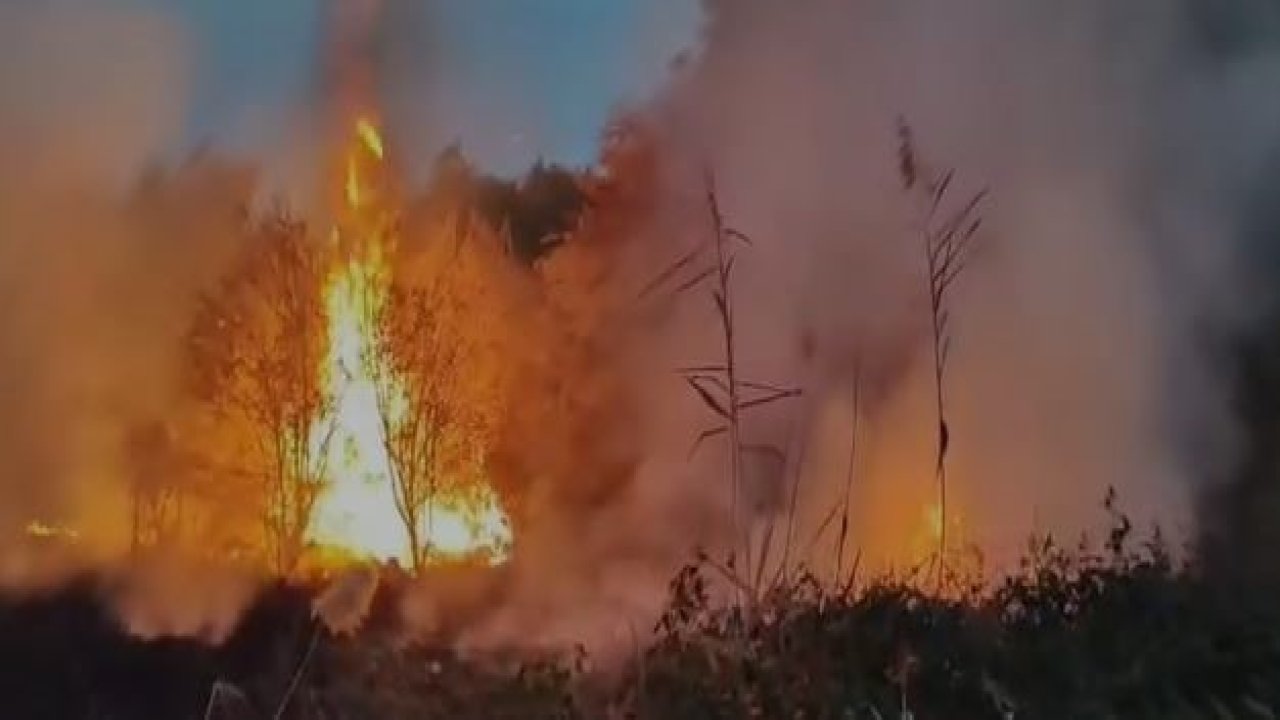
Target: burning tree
point(356, 401)
point(406, 458)
point(437, 407)
point(255, 348)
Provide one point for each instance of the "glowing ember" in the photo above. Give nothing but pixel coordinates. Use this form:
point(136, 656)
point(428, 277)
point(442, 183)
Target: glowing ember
point(354, 194)
point(38, 529)
point(356, 511)
point(934, 519)
point(370, 136)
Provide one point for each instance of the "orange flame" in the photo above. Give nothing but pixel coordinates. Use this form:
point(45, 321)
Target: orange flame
point(370, 136)
point(356, 511)
point(35, 528)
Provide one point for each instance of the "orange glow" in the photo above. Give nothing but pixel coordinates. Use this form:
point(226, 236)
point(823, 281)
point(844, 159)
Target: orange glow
point(356, 512)
point(370, 136)
point(35, 528)
point(355, 195)
point(934, 522)
point(928, 538)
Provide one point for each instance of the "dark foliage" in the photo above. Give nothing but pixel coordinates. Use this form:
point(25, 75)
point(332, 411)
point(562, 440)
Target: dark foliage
point(1237, 517)
point(1117, 632)
point(64, 655)
point(536, 211)
point(1120, 633)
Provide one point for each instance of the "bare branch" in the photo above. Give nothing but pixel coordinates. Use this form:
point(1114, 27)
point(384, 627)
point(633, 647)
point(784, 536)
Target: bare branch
point(739, 235)
point(764, 386)
point(706, 435)
point(721, 307)
point(775, 397)
point(693, 281)
point(708, 399)
point(940, 188)
point(965, 212)
point(671, 270)
point(719, 384)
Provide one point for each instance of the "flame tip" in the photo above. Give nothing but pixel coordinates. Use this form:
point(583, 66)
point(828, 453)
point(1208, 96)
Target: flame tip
point(357, 513)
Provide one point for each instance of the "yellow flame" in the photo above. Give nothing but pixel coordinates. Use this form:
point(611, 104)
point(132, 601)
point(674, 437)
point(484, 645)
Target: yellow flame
point(370, 139)
point(933, 518)
point(356, 512)
point(35, 528)
point(370, 136)
point(354, 193)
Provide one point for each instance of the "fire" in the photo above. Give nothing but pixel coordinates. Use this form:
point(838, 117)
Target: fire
point(38, 529)
point(356, 511)
point(933, 517)
point(930, 537)
point(370, 136)
point(354, 194)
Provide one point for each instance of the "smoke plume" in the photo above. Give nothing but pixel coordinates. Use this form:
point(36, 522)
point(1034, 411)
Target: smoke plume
point(101, 258)
point(1116, 146)
point(1119, 147)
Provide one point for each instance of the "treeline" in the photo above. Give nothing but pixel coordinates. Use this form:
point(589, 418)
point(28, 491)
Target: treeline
point(536, 210)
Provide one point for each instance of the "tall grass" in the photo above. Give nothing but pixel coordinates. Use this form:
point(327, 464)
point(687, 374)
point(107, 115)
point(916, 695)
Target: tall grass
point(947, 240)
point(720, 385)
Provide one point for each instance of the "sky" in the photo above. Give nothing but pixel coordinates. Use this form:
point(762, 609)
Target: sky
point(511, 80)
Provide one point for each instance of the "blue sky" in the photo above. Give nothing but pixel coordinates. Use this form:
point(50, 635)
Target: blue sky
point(511, 79)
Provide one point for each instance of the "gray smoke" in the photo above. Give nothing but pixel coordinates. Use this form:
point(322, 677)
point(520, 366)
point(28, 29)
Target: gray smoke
point(102, 257)
point(1119, 144)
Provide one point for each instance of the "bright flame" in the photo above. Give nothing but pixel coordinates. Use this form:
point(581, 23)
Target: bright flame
point(933, 517)
point(356, 512)
point(355, 195)
point(35, 528)
point(370, 136)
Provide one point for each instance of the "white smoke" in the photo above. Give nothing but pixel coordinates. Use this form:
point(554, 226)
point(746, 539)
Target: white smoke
point(1115, 150)
point(100, 270)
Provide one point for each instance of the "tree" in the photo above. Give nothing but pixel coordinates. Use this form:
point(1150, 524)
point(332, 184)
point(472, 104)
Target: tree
point(255, 353)
point(413, 381)
point(538, 210)
point(572, 424)
point(550, 202)
point(434, 368)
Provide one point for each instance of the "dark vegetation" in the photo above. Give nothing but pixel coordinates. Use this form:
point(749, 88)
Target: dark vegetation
point(535, 211)
point(1117, 631)
point(1239, 531)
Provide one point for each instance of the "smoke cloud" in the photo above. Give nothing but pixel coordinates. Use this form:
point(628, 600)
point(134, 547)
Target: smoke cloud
point(102, 255)
point(1116, 148)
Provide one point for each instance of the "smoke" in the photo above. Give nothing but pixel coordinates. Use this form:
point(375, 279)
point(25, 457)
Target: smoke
point(102, 254)
point(1116, 149)
point(344, 605)
point(180, 596)
point(1119, 146)
point(61, 228)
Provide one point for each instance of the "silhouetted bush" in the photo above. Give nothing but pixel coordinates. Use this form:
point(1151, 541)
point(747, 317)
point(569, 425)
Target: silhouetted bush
point(1121, 631)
